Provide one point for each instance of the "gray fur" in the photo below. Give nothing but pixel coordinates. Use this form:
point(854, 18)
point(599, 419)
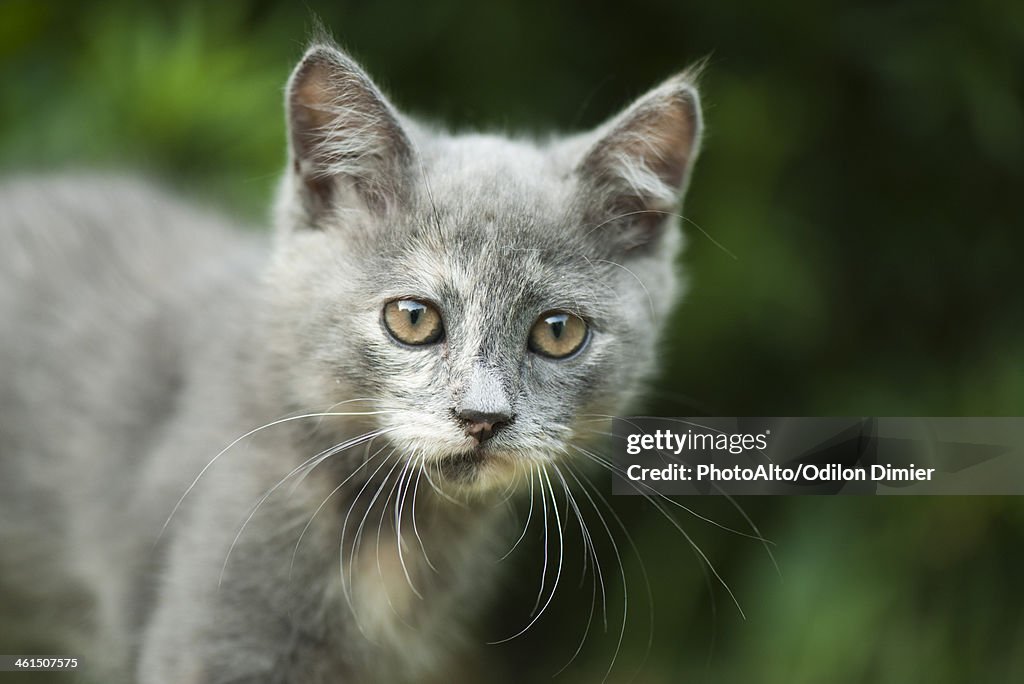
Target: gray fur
point(143, 335)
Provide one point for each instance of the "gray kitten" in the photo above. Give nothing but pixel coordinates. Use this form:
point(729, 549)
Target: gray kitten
point(229, 461)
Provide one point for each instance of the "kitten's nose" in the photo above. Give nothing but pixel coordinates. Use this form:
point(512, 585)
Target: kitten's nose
point(482, 426)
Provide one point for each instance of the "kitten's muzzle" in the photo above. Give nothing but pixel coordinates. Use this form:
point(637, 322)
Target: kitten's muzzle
point(482, 426)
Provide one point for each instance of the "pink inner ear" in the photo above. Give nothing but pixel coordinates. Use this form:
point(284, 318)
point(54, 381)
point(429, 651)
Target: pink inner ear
point(636, 173)
point(657, 137)
point(663, 138)
point(329, 102)
point(309, 97)
point(342, 129)
point(634, 176)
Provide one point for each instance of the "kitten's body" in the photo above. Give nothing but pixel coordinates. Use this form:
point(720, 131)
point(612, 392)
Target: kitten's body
point(120, 304)
point(154, 360)
point(143, 337)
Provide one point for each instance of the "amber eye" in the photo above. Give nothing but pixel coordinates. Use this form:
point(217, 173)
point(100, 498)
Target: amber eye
point(411, 321)
point(557, 335)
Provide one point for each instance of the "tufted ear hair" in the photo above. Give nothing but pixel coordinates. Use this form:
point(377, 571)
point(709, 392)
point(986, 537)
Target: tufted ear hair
point(636, 171)
point(346, 143)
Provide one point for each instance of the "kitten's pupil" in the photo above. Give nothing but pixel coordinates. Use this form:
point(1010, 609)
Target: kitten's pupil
point(414, 309)
point(557, 327)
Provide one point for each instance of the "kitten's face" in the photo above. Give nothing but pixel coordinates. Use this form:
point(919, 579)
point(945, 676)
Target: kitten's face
point(478, 296)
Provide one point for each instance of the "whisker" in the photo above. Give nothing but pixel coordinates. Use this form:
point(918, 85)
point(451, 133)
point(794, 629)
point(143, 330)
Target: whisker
point(324, 502)
point(757, 536)
point(622, 572)
point(333, 451)
point(650, 300)
point(693, 223)
point(249, 434)
point(686, 536)
point(346, 589)
point(380, 525)
point(439, 491)
point(588, 544)
point(415, 526)
point(357, 542)
point(529, 516)
point(615, 470)
point(510, 487)
point(754, 527)
point(588, 541)
point(544, 569)
point(399, 506)
point(319, 458)
point(639, 558)
point(561, 555)
point(335, 405)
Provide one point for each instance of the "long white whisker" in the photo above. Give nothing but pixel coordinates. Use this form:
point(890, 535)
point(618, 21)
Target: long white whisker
point(399, 506)
point(510, 487)
point(346, 589)
point(319, 458)
point(223, 451)
point(380, 526)
point(357, 542)
point(529, 516)
point(544, 569)
point(615, 470)
point(715, 242)
point(757, 530)
point(693, 544)
point(561, 556)
point(324, 502)
point(636, 551)
point(686, 536)
point(438, 490)
point(622, 572)
point(588, 544)
point(415, 526)
point(367, 439)
point(650, 300)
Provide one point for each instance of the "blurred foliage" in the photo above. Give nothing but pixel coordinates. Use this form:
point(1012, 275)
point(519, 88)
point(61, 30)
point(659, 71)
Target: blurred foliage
point(864, 164)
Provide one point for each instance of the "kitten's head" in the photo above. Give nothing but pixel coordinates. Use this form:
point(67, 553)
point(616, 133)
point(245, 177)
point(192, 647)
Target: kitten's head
point(491, 301)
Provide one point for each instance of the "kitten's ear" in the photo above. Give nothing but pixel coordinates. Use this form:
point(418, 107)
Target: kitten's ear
point(347, 144)
point(635, 174)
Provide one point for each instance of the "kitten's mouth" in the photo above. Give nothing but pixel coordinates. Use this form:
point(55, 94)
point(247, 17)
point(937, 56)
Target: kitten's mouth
point(464, 467)
point(478, 467)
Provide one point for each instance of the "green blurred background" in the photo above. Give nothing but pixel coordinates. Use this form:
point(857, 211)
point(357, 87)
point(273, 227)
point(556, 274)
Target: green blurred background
point(865, 164)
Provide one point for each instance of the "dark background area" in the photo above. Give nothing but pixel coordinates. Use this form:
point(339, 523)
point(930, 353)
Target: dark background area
point(865, 165)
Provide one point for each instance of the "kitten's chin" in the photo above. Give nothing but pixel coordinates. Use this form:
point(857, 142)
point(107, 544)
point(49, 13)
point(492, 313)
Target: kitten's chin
point(480, 471)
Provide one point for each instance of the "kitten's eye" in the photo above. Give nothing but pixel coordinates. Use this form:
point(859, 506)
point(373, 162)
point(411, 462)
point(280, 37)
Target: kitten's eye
point(558, 335)
point(411, 321)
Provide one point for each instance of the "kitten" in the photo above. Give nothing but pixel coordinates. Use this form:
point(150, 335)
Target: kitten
point(438, 320)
